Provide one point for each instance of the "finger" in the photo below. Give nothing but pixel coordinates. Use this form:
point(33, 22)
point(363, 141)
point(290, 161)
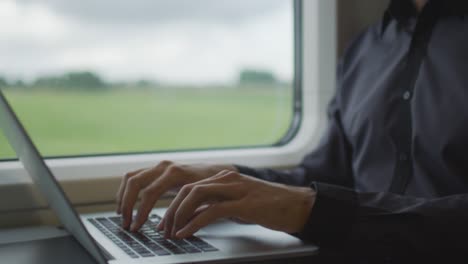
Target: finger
point(198, 196)
point(170, 178)
point(200, 209)
point(132, 189)
point(123, 183)
point(149, 196)
point(168, 218)
point(208, 216)
point(161, 223)
point(169, 215)
point(160, 226)
point(167, 221)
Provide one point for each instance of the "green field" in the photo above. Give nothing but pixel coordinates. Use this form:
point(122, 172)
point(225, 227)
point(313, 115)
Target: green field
point(64, 123)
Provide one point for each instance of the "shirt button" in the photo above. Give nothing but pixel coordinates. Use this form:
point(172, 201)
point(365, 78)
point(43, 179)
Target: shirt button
point(406, 95)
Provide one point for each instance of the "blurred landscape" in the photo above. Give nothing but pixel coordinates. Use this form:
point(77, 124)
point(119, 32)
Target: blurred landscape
point(78, 113)
point(152, 75)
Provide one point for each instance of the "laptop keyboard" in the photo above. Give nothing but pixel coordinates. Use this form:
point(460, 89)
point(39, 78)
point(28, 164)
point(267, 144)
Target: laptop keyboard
point(148, 242)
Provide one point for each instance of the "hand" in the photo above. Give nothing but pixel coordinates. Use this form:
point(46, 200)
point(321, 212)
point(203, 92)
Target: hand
point(230, 194)
point(151, 183)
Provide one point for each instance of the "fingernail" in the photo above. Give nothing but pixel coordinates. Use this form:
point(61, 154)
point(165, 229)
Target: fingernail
point(179, 234)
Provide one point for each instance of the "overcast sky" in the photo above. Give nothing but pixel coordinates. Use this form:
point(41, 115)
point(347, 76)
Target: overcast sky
point(183, 41)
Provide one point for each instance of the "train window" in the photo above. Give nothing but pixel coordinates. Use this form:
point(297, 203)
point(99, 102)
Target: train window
point(142, 76)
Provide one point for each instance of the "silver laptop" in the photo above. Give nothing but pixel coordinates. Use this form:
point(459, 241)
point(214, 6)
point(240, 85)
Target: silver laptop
point(102, 236)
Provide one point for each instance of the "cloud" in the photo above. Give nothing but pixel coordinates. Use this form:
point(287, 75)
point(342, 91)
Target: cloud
point(40, 37)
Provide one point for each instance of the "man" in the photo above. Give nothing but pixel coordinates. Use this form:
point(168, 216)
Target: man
point(390, 176)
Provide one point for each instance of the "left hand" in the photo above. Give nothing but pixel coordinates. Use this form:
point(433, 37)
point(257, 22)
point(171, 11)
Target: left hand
point(230, 194)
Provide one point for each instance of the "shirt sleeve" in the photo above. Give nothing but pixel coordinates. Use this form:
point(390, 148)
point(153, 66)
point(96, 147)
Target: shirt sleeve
point(386, 223)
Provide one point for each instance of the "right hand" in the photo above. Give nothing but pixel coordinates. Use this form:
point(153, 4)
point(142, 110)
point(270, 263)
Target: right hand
point(150, 183)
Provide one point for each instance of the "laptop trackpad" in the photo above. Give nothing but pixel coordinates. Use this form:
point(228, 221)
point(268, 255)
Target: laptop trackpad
point(235, 237)
point(46, 251)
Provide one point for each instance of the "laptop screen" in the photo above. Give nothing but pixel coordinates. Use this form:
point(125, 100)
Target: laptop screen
point(34, 164)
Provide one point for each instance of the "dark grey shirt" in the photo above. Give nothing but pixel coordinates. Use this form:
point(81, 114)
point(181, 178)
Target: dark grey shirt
point(391, 172)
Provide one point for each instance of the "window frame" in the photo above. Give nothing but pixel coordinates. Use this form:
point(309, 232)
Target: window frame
point(92, 180)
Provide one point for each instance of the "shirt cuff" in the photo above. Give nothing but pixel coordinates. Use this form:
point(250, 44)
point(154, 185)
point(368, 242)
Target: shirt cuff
point(332, 216)
point(246, 170)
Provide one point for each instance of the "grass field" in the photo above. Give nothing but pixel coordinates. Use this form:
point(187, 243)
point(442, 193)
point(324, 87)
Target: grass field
point(66, 123)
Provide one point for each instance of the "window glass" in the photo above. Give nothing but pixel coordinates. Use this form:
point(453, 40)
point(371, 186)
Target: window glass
point(104, 77)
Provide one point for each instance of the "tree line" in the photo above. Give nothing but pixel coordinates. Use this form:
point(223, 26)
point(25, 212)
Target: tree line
point(92, 81)
point(73, 80)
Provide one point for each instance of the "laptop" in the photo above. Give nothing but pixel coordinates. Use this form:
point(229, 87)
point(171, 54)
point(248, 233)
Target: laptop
point(103, 238)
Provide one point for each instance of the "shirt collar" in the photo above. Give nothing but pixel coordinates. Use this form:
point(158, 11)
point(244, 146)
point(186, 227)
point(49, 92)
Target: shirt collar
point(403, 10)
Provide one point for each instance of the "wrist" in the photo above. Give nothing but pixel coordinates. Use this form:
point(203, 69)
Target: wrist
point(305, 204)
